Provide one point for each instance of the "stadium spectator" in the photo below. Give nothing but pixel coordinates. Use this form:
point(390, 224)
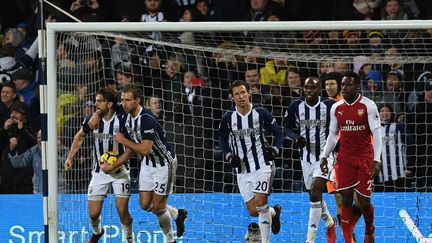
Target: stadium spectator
point(16, 180)
point(392, 10)
point(8, 98)
point(352, 43)
point(259, 10)
point(27, 89)
point(394, 166)
point(252, 168)
point(275, 71)
point(374, 86)
point(354, 122)
point(153, 13)
point(31, 156)
point(310, 140)
point(393, 92)
point(205, 12)
point(8, 63)
point(420, 123)
point(88, 10)
point(294, 82)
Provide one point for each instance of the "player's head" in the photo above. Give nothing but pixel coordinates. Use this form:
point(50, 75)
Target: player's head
point(311, 88)
point(240, 94)
point(350, 85)
point(386, 113)
point(131, 98)
point(106, 100)
point(332, 82)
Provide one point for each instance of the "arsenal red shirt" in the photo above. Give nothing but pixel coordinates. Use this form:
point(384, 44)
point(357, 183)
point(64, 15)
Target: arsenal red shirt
point(355, 122)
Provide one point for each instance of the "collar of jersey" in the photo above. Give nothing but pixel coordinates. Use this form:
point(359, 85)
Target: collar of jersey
point(314, 106)
point(358, 98)
point(240, 114)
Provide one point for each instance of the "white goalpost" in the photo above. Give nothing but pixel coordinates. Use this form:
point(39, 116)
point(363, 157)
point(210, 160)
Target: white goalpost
point(184, 72)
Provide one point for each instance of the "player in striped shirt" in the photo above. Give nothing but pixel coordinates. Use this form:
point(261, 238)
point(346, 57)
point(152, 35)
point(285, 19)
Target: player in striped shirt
point(307, 124)
point(144, 136)
point(358, 159)
point(245, 146)
point(394, 152)
point(103, 136)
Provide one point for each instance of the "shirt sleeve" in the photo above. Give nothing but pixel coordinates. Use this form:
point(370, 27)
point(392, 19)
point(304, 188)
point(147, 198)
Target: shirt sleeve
point(291, 128)
point(223, 136)
point(373, 117)
point(85, 125)
point(148, 127)
point(272, 125)
point(334, 126)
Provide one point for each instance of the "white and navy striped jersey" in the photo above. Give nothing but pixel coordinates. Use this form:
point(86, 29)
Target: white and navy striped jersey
point(146, 126)
point(103, 137)
point(393, 154)
point(159, 17)
point(245, 136)
point(310, 122)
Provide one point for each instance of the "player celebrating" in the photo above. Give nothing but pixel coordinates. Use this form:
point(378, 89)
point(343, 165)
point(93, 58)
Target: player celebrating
point(307, 125)
point(358, 160)
point(158, 164)
point(100, 183)
point(242, 139)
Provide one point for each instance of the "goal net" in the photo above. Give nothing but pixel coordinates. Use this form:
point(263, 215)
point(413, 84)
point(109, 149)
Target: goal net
point(185, 71)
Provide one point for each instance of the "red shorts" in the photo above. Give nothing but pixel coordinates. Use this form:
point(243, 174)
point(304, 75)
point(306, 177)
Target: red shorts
point(355, 173)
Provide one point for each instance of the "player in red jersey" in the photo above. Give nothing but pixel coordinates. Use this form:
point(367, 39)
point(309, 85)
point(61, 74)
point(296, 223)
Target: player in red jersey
point(358, 160)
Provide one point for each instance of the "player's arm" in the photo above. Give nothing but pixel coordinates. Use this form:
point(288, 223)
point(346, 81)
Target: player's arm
point(331, 141)
point(94, 120)
point(375, 127)
point(144, 148)
point(76, 145)
point(272, 125)
point(123, 158)
point(292, 130)
point(224, 132)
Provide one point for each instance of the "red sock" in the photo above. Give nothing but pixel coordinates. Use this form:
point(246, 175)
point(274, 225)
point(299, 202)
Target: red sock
point(368, 215)
point(346, 223)
point(356, 216)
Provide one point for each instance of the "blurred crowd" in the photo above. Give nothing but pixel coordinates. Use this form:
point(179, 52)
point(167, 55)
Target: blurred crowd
point(188, 88)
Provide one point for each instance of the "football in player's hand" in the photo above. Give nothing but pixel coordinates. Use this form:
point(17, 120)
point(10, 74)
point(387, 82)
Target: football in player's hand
point(109, 157)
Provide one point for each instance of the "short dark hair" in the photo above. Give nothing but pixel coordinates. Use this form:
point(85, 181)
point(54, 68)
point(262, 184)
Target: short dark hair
point(239, 83)
point(130, 88)
point(108, 95)
point(353, 75)
point(10, 85)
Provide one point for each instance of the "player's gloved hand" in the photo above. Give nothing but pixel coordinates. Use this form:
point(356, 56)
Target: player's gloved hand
point(273, 152)
point(324, 166)
point(300, 142)
point(234, 160)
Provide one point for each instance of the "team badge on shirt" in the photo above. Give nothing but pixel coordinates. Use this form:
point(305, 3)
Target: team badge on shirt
point(360, 112)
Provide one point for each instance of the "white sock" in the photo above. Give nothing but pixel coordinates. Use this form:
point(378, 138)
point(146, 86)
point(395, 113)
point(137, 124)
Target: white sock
point(164, 218)
point(314, 217)
point(128, 232)
point(272, 212)
point(173, 211)
point(96, 225)
point(264, 219)
point(325, 214)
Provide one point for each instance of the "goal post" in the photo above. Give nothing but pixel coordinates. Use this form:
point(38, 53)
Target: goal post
point(200, 190)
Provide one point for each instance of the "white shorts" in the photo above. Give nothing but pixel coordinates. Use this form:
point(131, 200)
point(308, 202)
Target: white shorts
point(259, 181)
point(101, 183)
point(312, 170)
point(161, 180)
